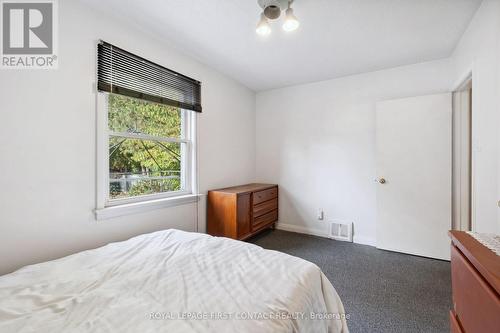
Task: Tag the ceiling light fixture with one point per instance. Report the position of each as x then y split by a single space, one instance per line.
271 10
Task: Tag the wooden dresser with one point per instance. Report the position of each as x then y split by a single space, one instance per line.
475 275
242 211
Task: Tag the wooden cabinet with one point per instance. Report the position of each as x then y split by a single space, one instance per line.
242 211
475 277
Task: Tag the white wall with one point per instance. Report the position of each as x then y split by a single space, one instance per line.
317 142
47 169
478 50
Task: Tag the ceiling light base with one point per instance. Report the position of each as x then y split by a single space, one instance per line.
282 4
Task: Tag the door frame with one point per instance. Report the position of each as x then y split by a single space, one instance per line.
463 189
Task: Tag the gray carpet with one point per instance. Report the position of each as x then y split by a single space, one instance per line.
382 291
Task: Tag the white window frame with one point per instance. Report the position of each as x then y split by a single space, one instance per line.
108 208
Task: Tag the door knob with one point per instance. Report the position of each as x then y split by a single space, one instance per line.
382 180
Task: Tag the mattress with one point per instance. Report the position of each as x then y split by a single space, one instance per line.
171 281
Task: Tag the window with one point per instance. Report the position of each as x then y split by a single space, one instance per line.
148 149
146 132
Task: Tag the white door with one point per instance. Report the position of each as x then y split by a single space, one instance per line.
413 139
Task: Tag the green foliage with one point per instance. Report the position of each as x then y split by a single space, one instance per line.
147 158
156 186
137 116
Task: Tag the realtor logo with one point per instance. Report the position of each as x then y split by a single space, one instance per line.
29 34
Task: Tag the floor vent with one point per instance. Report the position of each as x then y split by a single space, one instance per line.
341 231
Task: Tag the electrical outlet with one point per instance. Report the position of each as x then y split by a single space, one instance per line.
321 214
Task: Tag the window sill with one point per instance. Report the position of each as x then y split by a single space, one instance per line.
144 206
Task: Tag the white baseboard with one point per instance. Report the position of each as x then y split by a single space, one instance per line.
364 240
321 233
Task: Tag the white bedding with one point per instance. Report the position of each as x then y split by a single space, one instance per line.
171 281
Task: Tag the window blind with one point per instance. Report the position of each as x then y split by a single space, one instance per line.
124 73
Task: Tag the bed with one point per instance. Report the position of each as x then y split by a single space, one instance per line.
171 281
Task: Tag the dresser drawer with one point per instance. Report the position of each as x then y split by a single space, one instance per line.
264 220
476 304
265 195
265 207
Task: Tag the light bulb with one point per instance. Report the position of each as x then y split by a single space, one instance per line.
291 22
263 27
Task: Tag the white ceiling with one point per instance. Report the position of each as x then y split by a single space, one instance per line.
336 37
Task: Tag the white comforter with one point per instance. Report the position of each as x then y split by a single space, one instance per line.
171 281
